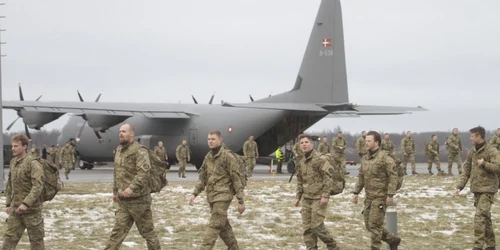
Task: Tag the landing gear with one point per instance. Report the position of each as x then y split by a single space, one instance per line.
85 165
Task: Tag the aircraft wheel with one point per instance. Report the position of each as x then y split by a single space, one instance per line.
82 164
90 166
290 167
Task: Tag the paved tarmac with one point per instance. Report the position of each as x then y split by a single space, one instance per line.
261 172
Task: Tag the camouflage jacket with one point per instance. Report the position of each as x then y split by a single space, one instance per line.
250 149
67 155
452 142
433 148
360 145
388 146
219 175
296 150
324 148
52 155
378 175
182 152
162 153
408 146
25 184
314 177
338 143
495 141
132 170
483 179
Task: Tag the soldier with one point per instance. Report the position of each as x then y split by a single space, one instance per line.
323 146
339 145
297 152
44 151
161 152
52 155
251 153
360 145
388 146
59 156
131 191
495 140
279 158
33 151
23 197
219 176
408 149
482 166
378 175
67 159
314 182
433 156
183 157
454 146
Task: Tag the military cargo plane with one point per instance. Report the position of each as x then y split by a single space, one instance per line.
320 91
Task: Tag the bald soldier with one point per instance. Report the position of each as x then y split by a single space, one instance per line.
388 146
323 147
131 191
495 140
408 149
161 152
339 145
454 146
219 176
183 157
251 153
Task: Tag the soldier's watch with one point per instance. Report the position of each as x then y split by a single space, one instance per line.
241 202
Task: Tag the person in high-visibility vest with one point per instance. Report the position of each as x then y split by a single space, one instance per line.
279 157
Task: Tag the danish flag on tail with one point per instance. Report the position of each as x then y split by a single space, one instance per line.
326 42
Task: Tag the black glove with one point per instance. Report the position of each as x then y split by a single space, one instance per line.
360 154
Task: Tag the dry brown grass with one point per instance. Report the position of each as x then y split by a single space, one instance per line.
430 217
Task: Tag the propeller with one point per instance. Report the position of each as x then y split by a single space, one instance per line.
251 98
209 102
85 118
21 97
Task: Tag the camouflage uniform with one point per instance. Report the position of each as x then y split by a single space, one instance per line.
324 148
452 142
337 144
433 156
59 156
162 153
183 156
68 160
484 184
297 152
24 186
495 141
132 170
251 152
219 176
408 148
33 151
360 146
314 181
52 155
379 178
389 147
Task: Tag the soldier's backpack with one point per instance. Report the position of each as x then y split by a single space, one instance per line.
157 173
52 183
337 175
242 168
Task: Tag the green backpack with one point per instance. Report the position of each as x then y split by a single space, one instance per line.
157 173
242 168
337 175
52 183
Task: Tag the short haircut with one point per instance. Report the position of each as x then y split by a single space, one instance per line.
22 139
478 131
376 136
132 129
433 135
302 136
408 131
215 132
386 133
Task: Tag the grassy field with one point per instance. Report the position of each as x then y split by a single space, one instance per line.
429 217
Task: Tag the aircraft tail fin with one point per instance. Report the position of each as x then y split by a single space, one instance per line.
322 75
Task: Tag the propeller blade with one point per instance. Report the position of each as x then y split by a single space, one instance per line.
78 135
194 99
98 97
211 99
21 97
12 124
80 96
251 98
27 132
98 135
38 98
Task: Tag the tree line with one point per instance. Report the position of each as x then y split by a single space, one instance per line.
38 137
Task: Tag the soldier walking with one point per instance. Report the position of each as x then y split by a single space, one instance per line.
388 146
408 148
251 153
433 156
360 145
68 159
219 176
339 145
482 166
495 140
454 146
378 175
183 157
323 147
161 152
131 191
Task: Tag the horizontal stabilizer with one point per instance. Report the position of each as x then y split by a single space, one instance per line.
357 110
309 107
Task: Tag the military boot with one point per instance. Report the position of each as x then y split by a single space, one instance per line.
476 248
395 243
449 172
440 173
414 172
490 248
431 173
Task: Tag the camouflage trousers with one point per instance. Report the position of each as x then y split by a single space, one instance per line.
68 166
218 225
313 217
250 165
374 215
182 167
132 210
484 235
433 159
342 162
16 223
410 157
452 158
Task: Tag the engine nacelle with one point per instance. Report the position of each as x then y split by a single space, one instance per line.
36 119
104 122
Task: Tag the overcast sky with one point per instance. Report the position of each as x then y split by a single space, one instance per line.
401 53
